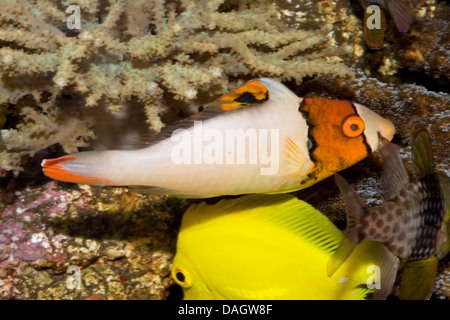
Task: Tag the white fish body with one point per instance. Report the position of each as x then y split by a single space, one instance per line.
259 148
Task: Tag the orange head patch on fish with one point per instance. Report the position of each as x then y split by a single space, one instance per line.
336 137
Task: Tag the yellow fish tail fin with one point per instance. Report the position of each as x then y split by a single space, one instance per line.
417 279
351 239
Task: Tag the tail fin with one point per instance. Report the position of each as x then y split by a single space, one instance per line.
422 154
354 210
77 168
417 279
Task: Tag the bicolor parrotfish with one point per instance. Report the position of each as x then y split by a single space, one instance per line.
260 138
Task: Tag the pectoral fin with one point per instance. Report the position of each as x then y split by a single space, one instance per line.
394 173
389 264
354 211
297 159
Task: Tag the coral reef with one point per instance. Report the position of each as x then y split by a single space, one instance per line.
442 285
138 65
121 243
159 56
425 48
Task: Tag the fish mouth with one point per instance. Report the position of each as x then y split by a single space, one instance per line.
375 125
387 131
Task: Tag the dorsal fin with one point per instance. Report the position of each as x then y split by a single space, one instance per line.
394 172
250 94
422 154
286 211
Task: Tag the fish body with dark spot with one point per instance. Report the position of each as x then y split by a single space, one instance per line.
413 223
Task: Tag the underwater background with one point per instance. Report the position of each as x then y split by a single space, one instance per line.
133 67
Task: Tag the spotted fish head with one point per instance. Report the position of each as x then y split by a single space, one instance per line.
341 133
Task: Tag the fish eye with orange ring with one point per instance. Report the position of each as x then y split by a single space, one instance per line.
182 277
353 126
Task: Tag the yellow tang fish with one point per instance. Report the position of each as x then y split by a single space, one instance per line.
272 247
414 222
260 138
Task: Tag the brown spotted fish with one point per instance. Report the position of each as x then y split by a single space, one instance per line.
413 224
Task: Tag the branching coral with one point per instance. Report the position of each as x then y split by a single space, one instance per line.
158 55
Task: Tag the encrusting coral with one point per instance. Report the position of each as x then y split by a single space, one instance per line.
158 56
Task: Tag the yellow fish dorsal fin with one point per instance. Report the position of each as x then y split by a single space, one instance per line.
284 211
